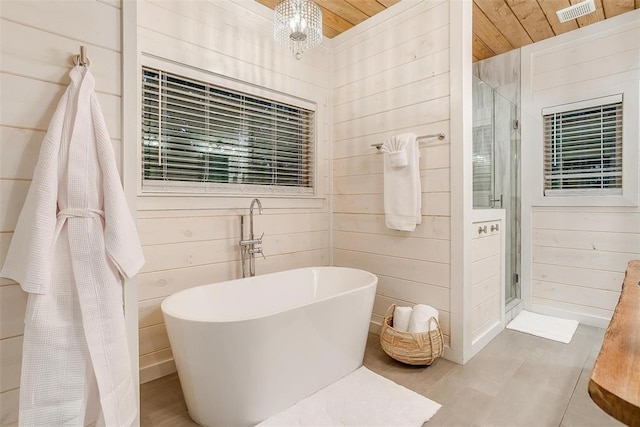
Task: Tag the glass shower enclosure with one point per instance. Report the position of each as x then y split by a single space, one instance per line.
496 170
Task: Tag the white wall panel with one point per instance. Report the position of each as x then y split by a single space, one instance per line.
9 407
433 204
586 277
214 28
156 365
50 61
430 66
392 77
616 221
410 94
432 227
149 313
430 38
94 23
13 303
590 240
589 297
589 259
574 257
10 363
434 180
487 273
20 149
28 103
356 47
152 338
433 273
12 196
406 247
487 276
585 50
408 290
431 111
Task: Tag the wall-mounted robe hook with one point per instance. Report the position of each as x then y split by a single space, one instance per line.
82 58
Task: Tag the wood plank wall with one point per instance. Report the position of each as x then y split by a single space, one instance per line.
393 78
185 245
578 255
486 275
36 45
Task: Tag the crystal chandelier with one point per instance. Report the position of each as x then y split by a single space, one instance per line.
297 25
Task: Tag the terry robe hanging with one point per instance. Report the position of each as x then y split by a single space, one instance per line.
74 242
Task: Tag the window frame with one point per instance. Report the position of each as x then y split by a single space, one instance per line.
534 124
593 103
236 197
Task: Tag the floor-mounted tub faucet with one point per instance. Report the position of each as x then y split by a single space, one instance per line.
253 202
249 248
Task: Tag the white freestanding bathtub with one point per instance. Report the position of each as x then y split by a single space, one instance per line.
247 349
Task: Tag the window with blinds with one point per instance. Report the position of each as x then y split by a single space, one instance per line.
583 148
198 137
483 159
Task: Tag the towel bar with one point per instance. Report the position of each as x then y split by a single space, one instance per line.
440 136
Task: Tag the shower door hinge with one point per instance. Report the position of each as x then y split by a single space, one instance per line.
516 277
516 124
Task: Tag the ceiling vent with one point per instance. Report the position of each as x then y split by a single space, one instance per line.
576 11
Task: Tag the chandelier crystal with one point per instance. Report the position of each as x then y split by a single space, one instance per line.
297 25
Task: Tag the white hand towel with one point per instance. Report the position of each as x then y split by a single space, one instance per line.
402 192
419 319
401 318
398 159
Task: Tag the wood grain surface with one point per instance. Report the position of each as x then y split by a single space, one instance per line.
615 380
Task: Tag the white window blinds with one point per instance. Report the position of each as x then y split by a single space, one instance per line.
583 148
198 137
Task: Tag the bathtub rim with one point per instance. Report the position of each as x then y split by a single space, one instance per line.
179 316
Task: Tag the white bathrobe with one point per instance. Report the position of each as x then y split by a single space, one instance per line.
74 242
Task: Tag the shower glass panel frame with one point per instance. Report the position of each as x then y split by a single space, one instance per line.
496 170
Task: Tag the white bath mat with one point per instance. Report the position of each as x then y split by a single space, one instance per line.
552 328
362 398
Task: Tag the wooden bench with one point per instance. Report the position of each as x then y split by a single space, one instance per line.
615 380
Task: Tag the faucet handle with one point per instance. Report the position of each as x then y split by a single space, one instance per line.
257 251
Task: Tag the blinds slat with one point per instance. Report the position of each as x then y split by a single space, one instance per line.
212 134
583 149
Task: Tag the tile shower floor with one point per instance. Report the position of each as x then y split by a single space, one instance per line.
516 380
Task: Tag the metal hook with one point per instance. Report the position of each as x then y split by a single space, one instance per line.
82 59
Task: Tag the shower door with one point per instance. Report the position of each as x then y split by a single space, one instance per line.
496 170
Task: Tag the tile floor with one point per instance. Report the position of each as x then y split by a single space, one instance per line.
516 380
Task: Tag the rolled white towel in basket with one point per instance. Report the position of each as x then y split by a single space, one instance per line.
401 318
419 319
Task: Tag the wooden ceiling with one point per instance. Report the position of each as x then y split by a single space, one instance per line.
502 25
498 25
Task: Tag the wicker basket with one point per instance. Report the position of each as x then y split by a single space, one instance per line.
422 348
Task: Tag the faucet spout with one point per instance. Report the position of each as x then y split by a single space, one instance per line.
253 202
